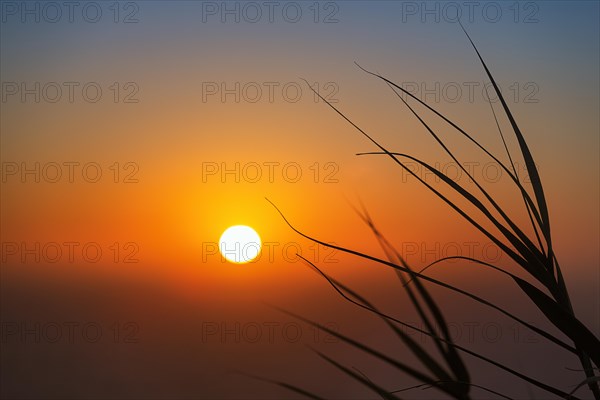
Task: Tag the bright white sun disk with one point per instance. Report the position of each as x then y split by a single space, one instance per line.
240 244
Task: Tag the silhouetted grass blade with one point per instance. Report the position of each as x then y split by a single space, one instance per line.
563 320
285 385
385 394
526 378
429 279
530 164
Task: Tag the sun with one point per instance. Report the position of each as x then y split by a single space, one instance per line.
240 244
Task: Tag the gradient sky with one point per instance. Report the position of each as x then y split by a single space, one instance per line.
167 121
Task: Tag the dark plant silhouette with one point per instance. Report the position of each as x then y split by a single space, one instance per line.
535 256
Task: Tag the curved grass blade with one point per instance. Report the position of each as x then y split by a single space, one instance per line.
587 381
432 280
531 167
284 385
363 347
424 386
384 394
511 253
526 378
562 294
527 263
452 358
512 164
428 361
555 313
530 247
440 260
464 133
563 320
393 256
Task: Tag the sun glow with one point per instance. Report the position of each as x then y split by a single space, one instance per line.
240 244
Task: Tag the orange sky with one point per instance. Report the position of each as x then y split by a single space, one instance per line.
208 119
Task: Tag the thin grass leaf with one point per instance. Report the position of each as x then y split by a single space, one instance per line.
465 134
384 394
583 357
432 365
512 164
555 313
363 347
429 279
526 244
392 256
413 346
425 386
284 385
513 255
564 320
558 310
587 381
410 388
395 363
440 260
452 358
526 378
337 285
525 258
526 153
